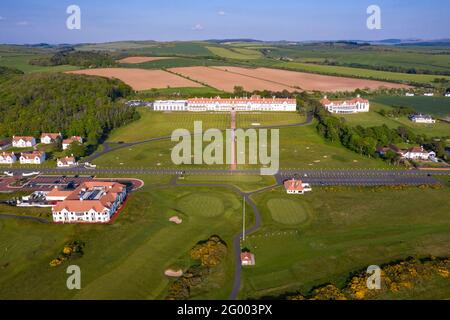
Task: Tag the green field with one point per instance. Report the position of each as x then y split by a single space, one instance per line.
20 61
359 72
175 63
257 119
235 53
124 260
437 106
347 230
373 118
245 183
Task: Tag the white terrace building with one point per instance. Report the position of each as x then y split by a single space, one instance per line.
420 118
7 158
91 202
355 105
255 103
34 157
23 142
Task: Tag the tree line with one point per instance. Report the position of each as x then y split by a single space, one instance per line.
86 59
75 105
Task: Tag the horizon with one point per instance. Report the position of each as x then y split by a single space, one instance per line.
26 22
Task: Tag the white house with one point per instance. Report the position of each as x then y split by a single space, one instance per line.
23 142
447 94
247 259
254 103
67 142
420 118
355 105
7 158
409 94
48 138
417 153
91 202
66 162
295 186
34 157
429 94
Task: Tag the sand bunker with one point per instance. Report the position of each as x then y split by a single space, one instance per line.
176 219
173 273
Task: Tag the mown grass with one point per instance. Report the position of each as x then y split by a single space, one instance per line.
235 53
348 230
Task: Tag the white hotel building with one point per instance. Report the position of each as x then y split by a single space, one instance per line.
355 105
255 103
91 202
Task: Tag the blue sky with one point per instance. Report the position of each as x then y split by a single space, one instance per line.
34 21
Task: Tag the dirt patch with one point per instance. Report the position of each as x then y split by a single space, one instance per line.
136 60
141 79
226 81
309 81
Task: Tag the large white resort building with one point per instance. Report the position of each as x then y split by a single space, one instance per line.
355 105
254 103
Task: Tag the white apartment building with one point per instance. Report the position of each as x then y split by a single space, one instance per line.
254 103
7 158
420 118
23 142
91 202
34 157
355 105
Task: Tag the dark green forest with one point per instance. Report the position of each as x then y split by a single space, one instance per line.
86 59
71 104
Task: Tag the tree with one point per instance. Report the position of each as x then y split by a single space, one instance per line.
76 149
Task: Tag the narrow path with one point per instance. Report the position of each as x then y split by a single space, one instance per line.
233 141
108 145
13 216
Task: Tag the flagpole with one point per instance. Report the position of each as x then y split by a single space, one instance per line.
243 220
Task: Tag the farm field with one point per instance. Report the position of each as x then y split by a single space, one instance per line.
227 81
323 240
359 72
309 82
136 60
140 79
145 245
437 106
176 62
235 53
21 61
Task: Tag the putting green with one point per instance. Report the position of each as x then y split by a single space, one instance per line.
201 204
287 211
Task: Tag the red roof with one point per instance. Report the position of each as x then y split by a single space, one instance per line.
52 136
24 138
32 155
246 256
293 185
232 101
326 101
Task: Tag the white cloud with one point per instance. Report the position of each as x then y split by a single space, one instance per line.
23 23
221 13
198 27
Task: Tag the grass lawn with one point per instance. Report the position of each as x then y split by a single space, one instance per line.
159 124
300 147
257 119
127 259
245 183
346 230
